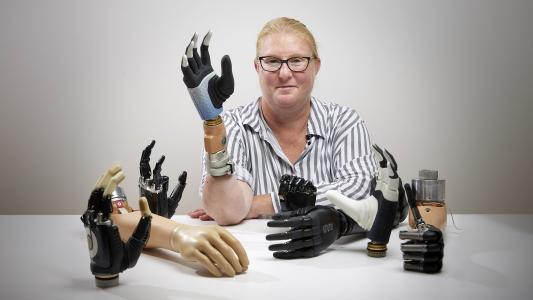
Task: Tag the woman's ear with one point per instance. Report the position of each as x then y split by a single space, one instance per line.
256 65
317 62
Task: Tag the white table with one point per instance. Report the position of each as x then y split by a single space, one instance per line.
489 257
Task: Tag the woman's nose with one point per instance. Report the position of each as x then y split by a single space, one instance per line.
284 71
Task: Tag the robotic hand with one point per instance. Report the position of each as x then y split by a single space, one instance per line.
424 250
207 90
155 188
295 192
379 213
314 228
109 255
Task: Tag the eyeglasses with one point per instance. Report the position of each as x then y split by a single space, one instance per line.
273 64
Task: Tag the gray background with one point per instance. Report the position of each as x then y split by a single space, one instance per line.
446 85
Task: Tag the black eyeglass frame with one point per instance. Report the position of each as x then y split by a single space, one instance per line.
285 61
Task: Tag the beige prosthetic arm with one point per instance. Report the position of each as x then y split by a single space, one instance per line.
212 246
218 161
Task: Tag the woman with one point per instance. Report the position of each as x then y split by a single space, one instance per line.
285 131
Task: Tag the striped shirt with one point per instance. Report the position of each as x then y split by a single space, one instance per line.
337 155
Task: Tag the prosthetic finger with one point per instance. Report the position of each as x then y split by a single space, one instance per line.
157 172
292 245
140 236
291 234
112 184
228 254
299 221
380 157
190 53
427 257
204 49
204 261
423 267
177 193
106 177
236 246
301 253
220 261
188 74
144 164
195 54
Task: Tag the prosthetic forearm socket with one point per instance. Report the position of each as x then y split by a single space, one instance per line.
218 160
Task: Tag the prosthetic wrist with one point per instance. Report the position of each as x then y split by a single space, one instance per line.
218 162
295 192
109 255
155 188
424 249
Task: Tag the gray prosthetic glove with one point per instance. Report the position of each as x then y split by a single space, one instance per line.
155 188
295 192
109 255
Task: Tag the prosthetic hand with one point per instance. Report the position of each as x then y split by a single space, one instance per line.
379 213
424 249
109 255
155 188
314 228
207 90
212 246
295 192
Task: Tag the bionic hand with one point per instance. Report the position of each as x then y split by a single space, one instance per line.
208 92
379 213
109 255
155 188
295 192
424 250
313 229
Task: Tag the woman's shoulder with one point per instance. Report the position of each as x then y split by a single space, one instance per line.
334 111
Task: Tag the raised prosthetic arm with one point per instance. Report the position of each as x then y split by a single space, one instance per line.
208 92
109 255
379 213
155 188
424 249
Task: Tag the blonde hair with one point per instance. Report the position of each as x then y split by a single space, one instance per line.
286 25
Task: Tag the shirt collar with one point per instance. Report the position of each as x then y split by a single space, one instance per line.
256 121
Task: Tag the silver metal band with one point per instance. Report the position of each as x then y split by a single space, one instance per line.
219 164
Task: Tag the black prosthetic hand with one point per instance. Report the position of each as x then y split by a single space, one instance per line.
313 229
295 192
155 186
109 255
424 249
208 91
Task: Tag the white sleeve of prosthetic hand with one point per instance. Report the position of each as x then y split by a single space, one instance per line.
361 211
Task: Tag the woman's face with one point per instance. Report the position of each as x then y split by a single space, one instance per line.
285 88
